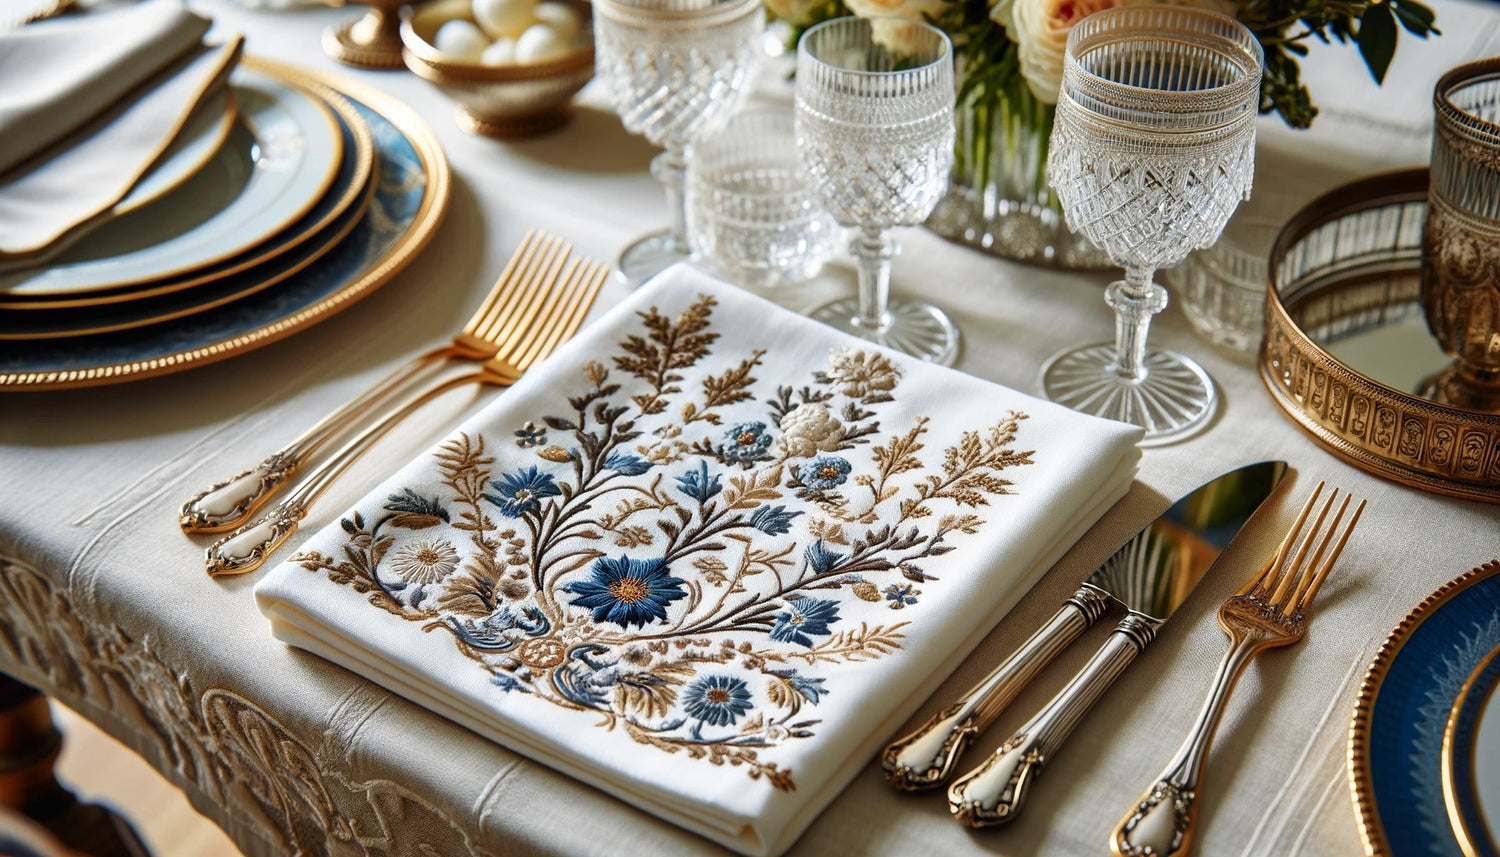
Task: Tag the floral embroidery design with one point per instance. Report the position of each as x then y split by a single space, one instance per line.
694 558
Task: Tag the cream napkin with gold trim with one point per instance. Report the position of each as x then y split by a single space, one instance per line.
707 558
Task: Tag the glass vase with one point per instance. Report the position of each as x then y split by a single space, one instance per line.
999 200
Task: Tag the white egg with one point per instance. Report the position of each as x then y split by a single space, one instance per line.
538 44
504 18
460 40
560 17
502 52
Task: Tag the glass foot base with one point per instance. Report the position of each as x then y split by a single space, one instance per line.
650 255
1173 401
917 328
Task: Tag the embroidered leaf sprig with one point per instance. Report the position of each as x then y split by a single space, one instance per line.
670 345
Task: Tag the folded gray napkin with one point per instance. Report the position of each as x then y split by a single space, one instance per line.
90 104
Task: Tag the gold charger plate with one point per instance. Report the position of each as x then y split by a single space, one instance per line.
409 201
1346 267
1396 736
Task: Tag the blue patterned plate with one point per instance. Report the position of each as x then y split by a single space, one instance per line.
1414 689
409 201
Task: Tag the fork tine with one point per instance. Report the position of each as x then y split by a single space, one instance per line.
573 301
1306 595
530 283
512 327
1298 563
516 272
1272 570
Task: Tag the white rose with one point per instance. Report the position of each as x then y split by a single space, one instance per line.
809 430
889 20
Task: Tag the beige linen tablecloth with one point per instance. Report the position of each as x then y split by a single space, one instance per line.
103 602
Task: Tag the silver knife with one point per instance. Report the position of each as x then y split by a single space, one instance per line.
1151 575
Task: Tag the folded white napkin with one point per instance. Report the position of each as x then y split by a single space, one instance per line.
707 558
90 104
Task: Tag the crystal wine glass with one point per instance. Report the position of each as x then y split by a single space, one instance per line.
875 131
1153 147
678 71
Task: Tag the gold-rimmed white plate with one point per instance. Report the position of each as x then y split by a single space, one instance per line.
1471 760
349 189
292 156
410 198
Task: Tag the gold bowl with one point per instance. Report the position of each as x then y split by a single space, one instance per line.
506 101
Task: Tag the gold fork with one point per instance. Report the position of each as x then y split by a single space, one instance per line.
1269 611
226 504
550 316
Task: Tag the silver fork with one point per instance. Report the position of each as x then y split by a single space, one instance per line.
225 505
551 316
1269 611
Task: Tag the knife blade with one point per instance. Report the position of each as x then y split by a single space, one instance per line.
1151 575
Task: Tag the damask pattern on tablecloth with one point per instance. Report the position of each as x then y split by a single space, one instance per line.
271 791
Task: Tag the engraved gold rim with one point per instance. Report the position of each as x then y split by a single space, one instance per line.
429 215
1467 838
358 193
1307 361
1361 781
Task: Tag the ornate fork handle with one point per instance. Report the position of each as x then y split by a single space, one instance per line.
925 758
231 501
1162 822
247 548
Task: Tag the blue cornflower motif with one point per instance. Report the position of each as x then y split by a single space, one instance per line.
700 484
824 472
745 442
627 591
804 616
821 558
530 435
812 689
626 464
773 520
900 596
520 492
718 700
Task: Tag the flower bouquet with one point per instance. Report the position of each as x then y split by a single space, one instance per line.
1010 58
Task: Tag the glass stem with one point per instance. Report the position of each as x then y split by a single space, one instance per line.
670 168
874 252
1135 300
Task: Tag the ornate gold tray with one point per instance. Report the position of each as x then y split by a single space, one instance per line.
1346 343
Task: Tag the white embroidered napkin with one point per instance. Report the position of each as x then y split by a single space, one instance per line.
707 558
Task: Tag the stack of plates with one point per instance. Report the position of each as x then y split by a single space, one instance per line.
281 204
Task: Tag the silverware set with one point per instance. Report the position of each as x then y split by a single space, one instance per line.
537 303
1151 576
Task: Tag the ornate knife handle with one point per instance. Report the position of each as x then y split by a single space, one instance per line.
926 757
995 792
228 503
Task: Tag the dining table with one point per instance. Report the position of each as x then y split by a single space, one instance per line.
106 608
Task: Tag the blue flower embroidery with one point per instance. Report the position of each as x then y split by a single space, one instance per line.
802 617
628 591
530 435
900 596
718 700
824 472
773 520
699 484
745 442
520 492
821 558
626 464
812 689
